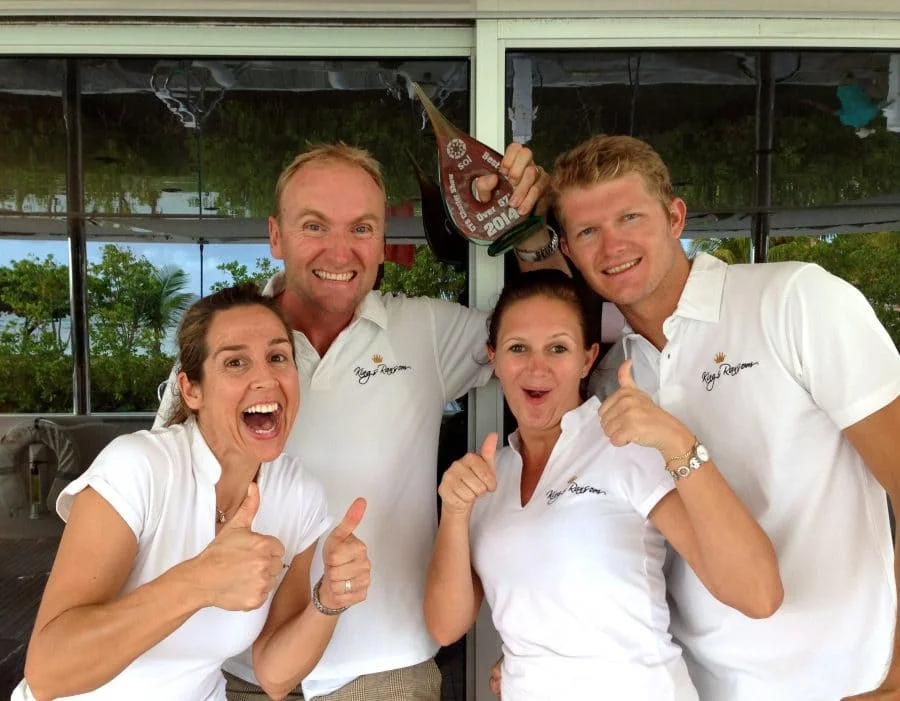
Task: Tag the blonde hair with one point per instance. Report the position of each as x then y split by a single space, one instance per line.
318 153
603 158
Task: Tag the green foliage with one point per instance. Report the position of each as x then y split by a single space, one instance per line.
37 381
127 383
427 278
36 293
132 306
248 142
163 301
265 269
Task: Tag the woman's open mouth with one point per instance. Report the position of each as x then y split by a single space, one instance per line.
262 419
536 394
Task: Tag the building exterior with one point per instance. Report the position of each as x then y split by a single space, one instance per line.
153 131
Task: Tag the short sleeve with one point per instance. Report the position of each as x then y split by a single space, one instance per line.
460 337
122 475
643 478
838 349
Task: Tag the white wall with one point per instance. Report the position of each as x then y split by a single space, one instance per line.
448 9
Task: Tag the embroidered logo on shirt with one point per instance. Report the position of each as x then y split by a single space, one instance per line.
709 378
365 374
573 487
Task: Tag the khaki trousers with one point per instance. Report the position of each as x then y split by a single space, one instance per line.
421 682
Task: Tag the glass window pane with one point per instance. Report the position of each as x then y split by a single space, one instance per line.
136 296
33 152
695 107
137 140
837 128
35 350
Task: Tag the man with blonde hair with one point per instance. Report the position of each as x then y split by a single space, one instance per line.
376 371
791 385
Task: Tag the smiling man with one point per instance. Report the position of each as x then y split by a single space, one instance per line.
783 371
376 371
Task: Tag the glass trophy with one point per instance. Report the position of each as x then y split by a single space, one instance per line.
462 159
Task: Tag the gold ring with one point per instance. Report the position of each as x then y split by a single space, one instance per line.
348 586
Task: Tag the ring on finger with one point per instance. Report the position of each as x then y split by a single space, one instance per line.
348 586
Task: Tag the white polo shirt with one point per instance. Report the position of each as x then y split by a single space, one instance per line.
767 364
162 484
574 578
369 421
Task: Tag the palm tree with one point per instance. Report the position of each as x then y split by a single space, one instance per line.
163 302
737 249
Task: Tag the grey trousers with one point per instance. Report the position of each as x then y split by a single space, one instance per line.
420 682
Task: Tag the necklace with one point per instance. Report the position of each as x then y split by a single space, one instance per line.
220 515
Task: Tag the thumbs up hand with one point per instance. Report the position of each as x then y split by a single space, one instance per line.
347 568
468 478
239 567
629 415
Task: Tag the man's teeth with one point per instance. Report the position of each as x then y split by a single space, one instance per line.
269 408
621 268
340 277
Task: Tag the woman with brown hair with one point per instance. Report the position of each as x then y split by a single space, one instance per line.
563 531
186 545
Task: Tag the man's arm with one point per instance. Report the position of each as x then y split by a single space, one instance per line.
530 183
877 439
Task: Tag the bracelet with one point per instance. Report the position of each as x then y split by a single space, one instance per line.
544 252
683 456
317 602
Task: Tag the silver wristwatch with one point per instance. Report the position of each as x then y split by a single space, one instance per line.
696 457
544 252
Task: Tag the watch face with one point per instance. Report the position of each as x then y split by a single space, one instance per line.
701 452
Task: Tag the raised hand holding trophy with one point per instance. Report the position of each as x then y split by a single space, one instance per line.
462 159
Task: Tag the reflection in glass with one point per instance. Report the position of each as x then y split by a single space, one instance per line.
695 107
33 153
208 137
837 119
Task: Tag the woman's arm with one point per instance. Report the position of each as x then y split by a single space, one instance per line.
703 519
84 635
79 615
453 592
296 632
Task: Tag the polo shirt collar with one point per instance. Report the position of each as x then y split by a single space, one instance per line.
372 307
203 461
701 298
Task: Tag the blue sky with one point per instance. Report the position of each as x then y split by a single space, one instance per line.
186 256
